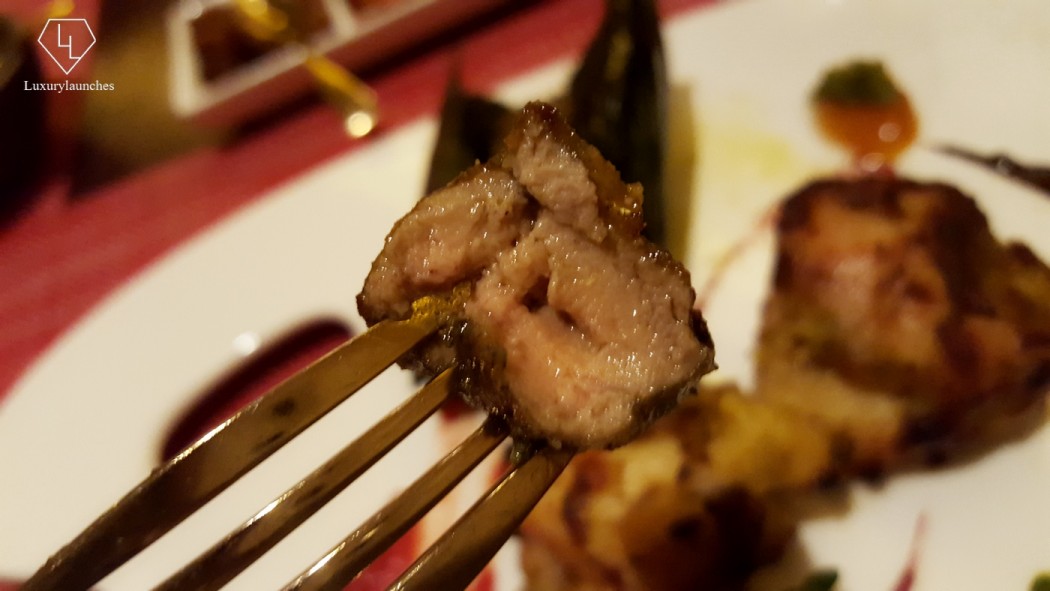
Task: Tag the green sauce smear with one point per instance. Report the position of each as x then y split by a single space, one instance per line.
860 83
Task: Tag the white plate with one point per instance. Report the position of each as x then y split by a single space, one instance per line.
82 425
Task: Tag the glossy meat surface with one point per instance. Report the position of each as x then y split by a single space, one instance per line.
576 328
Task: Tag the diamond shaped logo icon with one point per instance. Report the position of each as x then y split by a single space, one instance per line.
67 41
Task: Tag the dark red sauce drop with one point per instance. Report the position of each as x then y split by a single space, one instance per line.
260 373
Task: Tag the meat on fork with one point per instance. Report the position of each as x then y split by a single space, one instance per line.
574 326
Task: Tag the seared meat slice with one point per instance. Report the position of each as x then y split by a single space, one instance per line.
700 501
898 321
575 327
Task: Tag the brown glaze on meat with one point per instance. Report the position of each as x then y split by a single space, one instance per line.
899 321
576 328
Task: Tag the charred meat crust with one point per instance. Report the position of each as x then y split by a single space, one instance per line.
576 329
894 297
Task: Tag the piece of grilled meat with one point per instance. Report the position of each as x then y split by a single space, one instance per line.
897 320
575 328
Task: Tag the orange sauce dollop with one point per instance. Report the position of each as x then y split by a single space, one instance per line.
859 108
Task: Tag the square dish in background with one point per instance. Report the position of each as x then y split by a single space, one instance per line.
219 75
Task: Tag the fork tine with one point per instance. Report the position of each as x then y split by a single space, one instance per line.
223 561
463 551
348 558
177 489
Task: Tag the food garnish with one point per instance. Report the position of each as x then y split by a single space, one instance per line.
618 101
861 83
859 107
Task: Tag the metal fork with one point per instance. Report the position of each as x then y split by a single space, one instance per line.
191 479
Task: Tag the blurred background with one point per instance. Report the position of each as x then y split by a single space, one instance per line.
143 49
181 112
